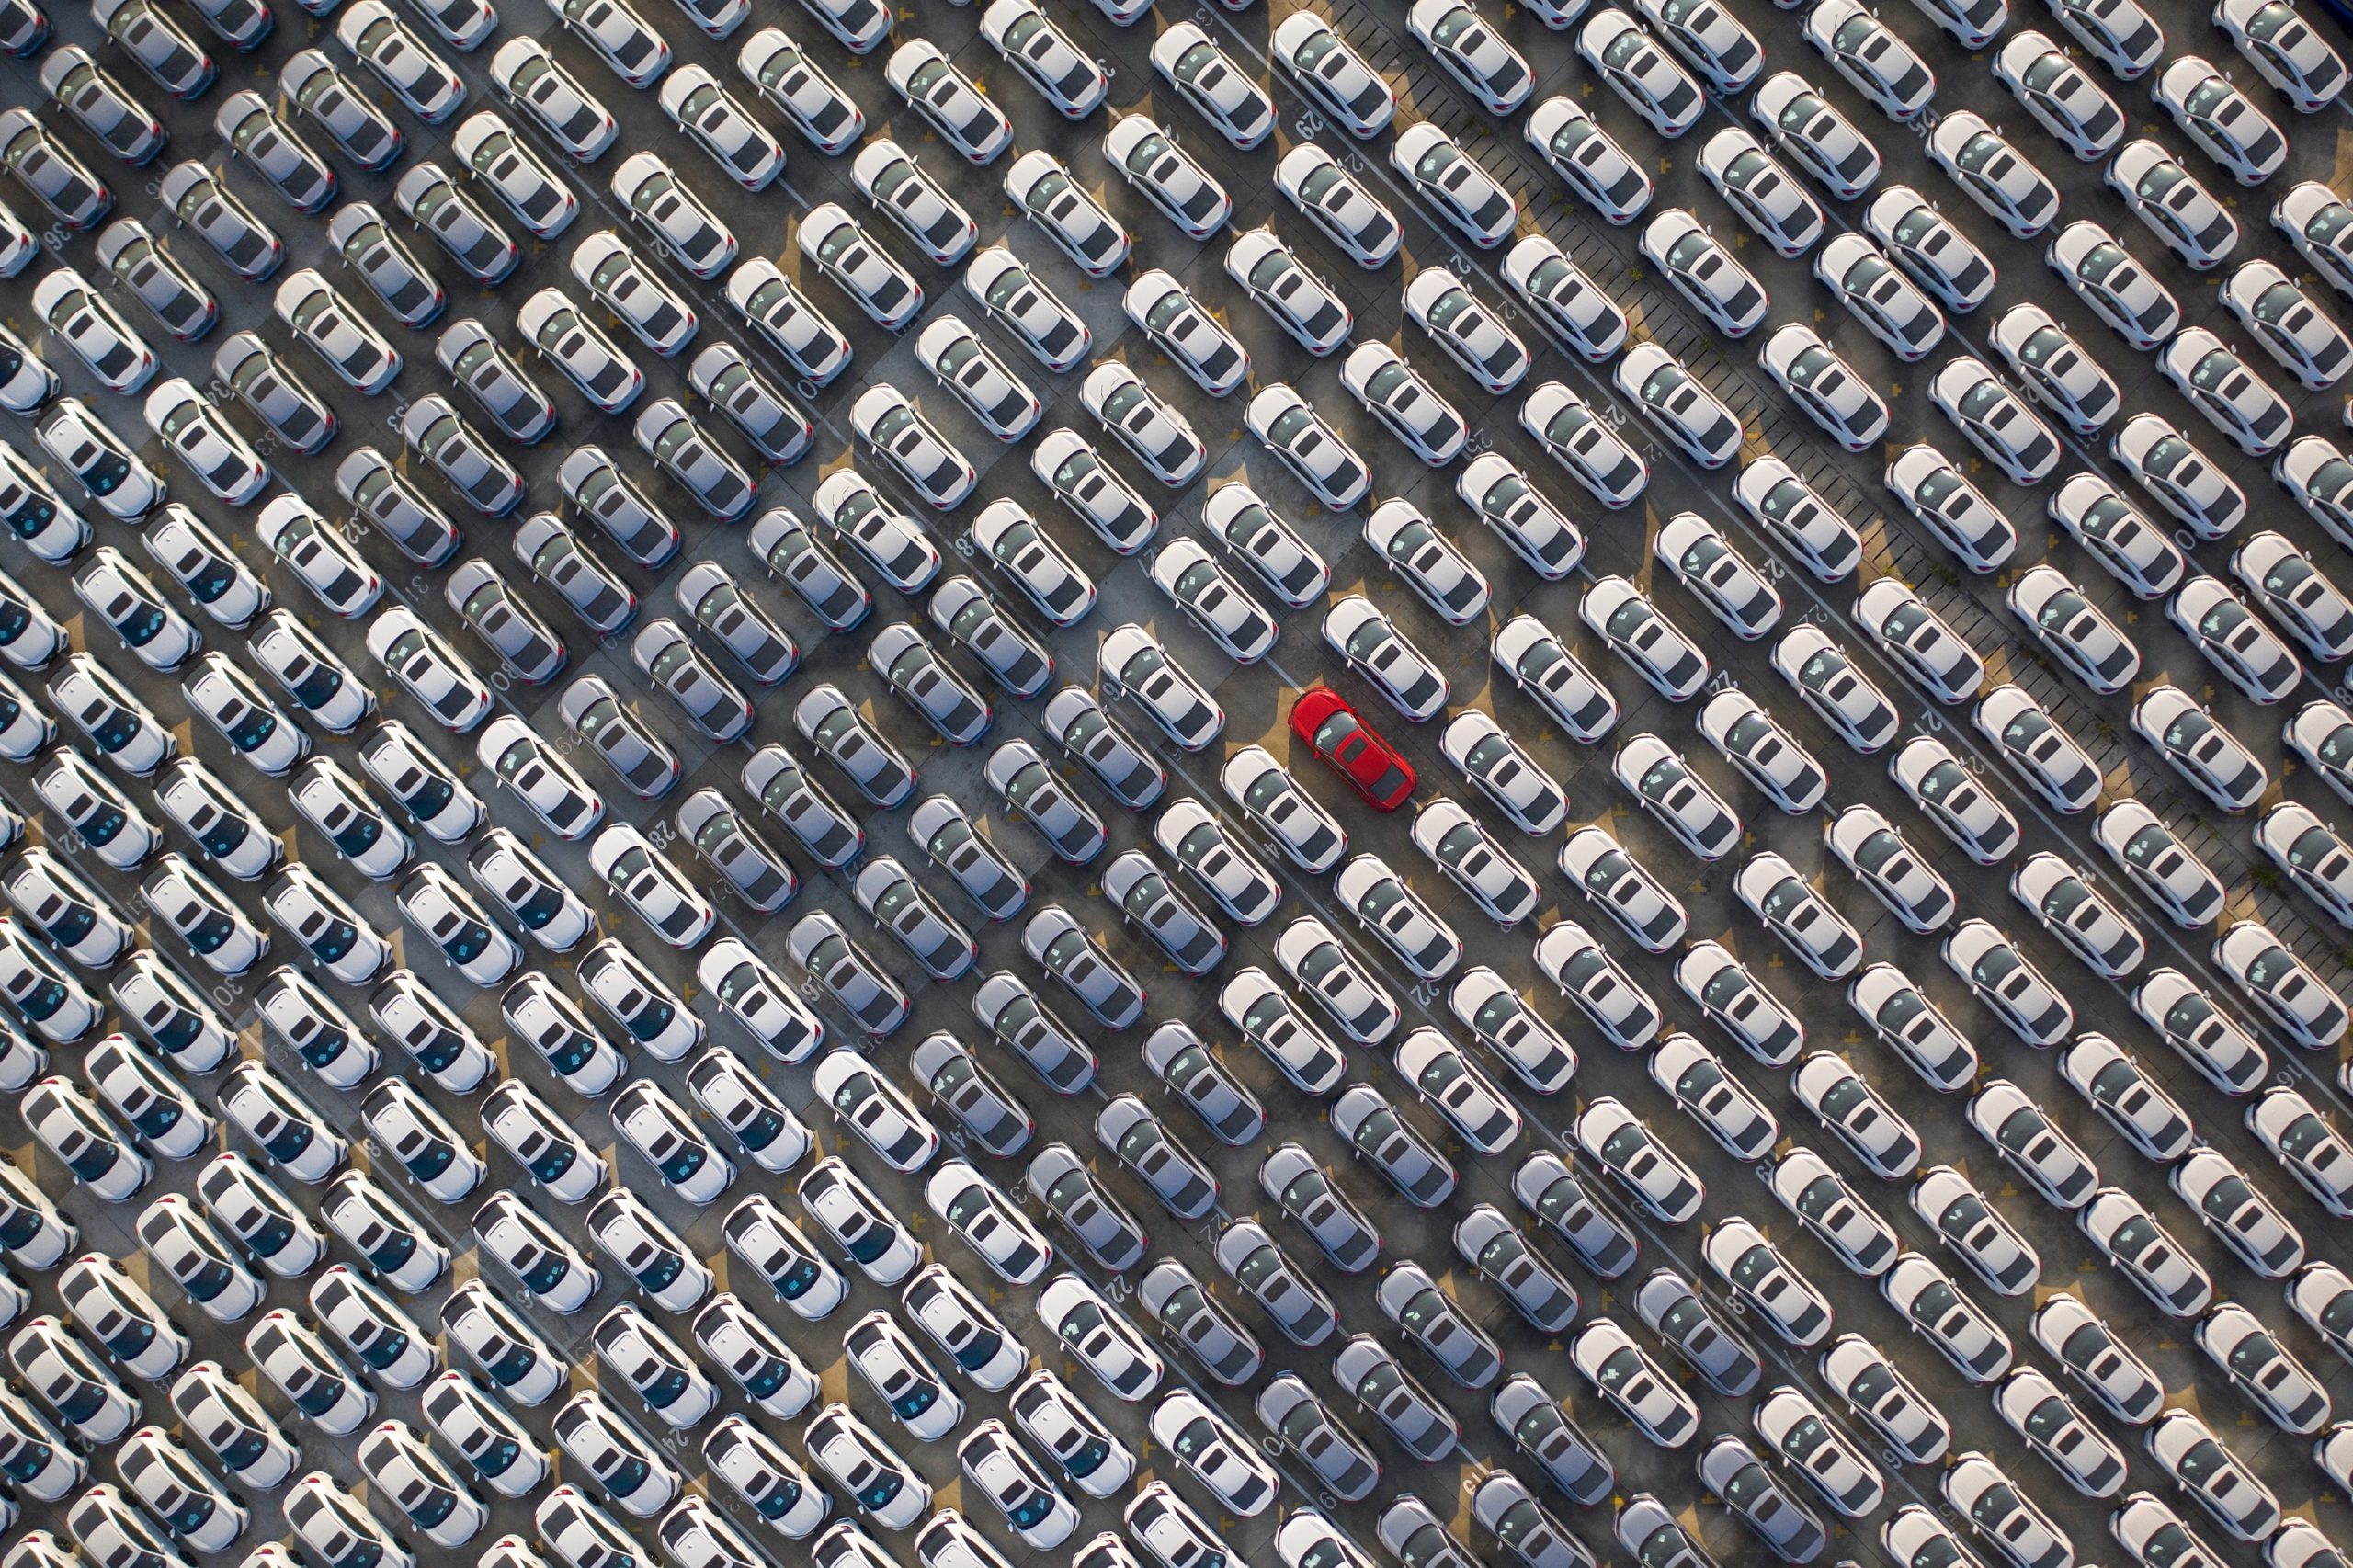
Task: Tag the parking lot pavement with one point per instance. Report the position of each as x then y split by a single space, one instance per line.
1257 702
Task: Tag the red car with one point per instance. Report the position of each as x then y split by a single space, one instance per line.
1325 721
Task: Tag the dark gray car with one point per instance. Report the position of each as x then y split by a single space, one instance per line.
1176 1055
1256 1262
1169 1292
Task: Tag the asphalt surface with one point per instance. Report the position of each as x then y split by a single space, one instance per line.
1257 702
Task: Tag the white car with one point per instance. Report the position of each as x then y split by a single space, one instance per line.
2220 118
1685 411
1704 271
1857 1114
1794 514
1585 156
919 71
2027 1142
1651 83
1581 441
1822 139
2280 984
1338 203
2247 652
1818 934
2223 1051
293 1357
2204 752
1015 1484
1634 628
2175 205
1146 424
861 1461
1996 421
2155 857
2000 975
2223 387
1663 784
1466 194
403 1470
1207 77
2070 908
1979 1234
642 1356
1824 385
2263 1371
1302 304
1185 193
1323 65
2130 1238
759 1471
1535 529
1937 254
2081 638
2106 276
1933 1308
1920 640
2183 480
492 1335
2116 1085
1377 648
2055 368
1048 59
1872 57
2194 1459
2125 543
2291 328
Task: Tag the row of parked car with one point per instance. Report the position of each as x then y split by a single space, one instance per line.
1134 664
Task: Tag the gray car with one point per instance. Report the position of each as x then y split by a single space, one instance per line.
1139 1140
1176 1055
1078 724
1538 1426
1409 1298
898 903
385 497
1145 896
524 643
400 282
558 557
338 106
272 148
948 835
1302 1423
195 195
1386 1142
729 382
1505 1508
471 236
666 432
946 1069
1059 1179
276 395
473 356
788 548
593 709
1291 1177
1020 777
827 720
1253 1259
1373 1376
673 666
1058 944
730 847
434 429
1729 1468
593 483
51 175
1548 1190
1489 1244
1672 1310
929 684
819 945
1012 1012
1169 1292
781 785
